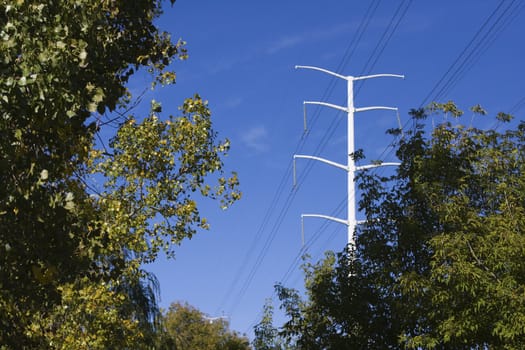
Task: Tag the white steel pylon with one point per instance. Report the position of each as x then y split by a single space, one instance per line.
351 221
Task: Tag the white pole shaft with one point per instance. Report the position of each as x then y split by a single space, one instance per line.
351 164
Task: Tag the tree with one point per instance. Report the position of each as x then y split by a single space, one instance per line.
185 327
439 263
473 284
342 308
267 337
70 251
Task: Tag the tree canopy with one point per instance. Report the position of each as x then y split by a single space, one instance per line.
185 327
71 250
439 263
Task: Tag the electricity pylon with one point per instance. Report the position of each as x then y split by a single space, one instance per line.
350 168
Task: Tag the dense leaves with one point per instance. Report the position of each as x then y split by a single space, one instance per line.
440 263
473 284
185 327
154 170
70 250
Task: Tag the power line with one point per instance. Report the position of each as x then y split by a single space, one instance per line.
348 54
477 51
459 72
379 49
381 45
305 248
297 259
262 253
337 211
491 38
391 29
464 59
519 105
512 110
466 63
262 227
443 77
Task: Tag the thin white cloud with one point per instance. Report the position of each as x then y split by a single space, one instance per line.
255 138
284 42
233 102
289 41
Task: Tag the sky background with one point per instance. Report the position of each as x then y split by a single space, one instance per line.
241 59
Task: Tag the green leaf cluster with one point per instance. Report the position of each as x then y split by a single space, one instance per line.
153 174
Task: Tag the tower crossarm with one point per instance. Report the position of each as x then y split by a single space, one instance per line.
364 109
327 217
331 105
329 162
371 166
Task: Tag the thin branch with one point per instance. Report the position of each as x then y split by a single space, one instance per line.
480 263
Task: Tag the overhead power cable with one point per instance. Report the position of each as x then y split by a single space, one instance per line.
286 176
396 19
394 23
458 70
297 259
474 49
459 67
389 31
381 45
518 106
329 132
482 46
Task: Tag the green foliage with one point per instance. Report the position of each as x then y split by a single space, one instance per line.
473 284
439 264
267 337
185 327
341 308
88 317
153 173
70 255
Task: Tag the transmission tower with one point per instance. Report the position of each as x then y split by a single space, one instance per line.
350 168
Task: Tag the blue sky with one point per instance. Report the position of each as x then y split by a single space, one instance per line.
241 59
